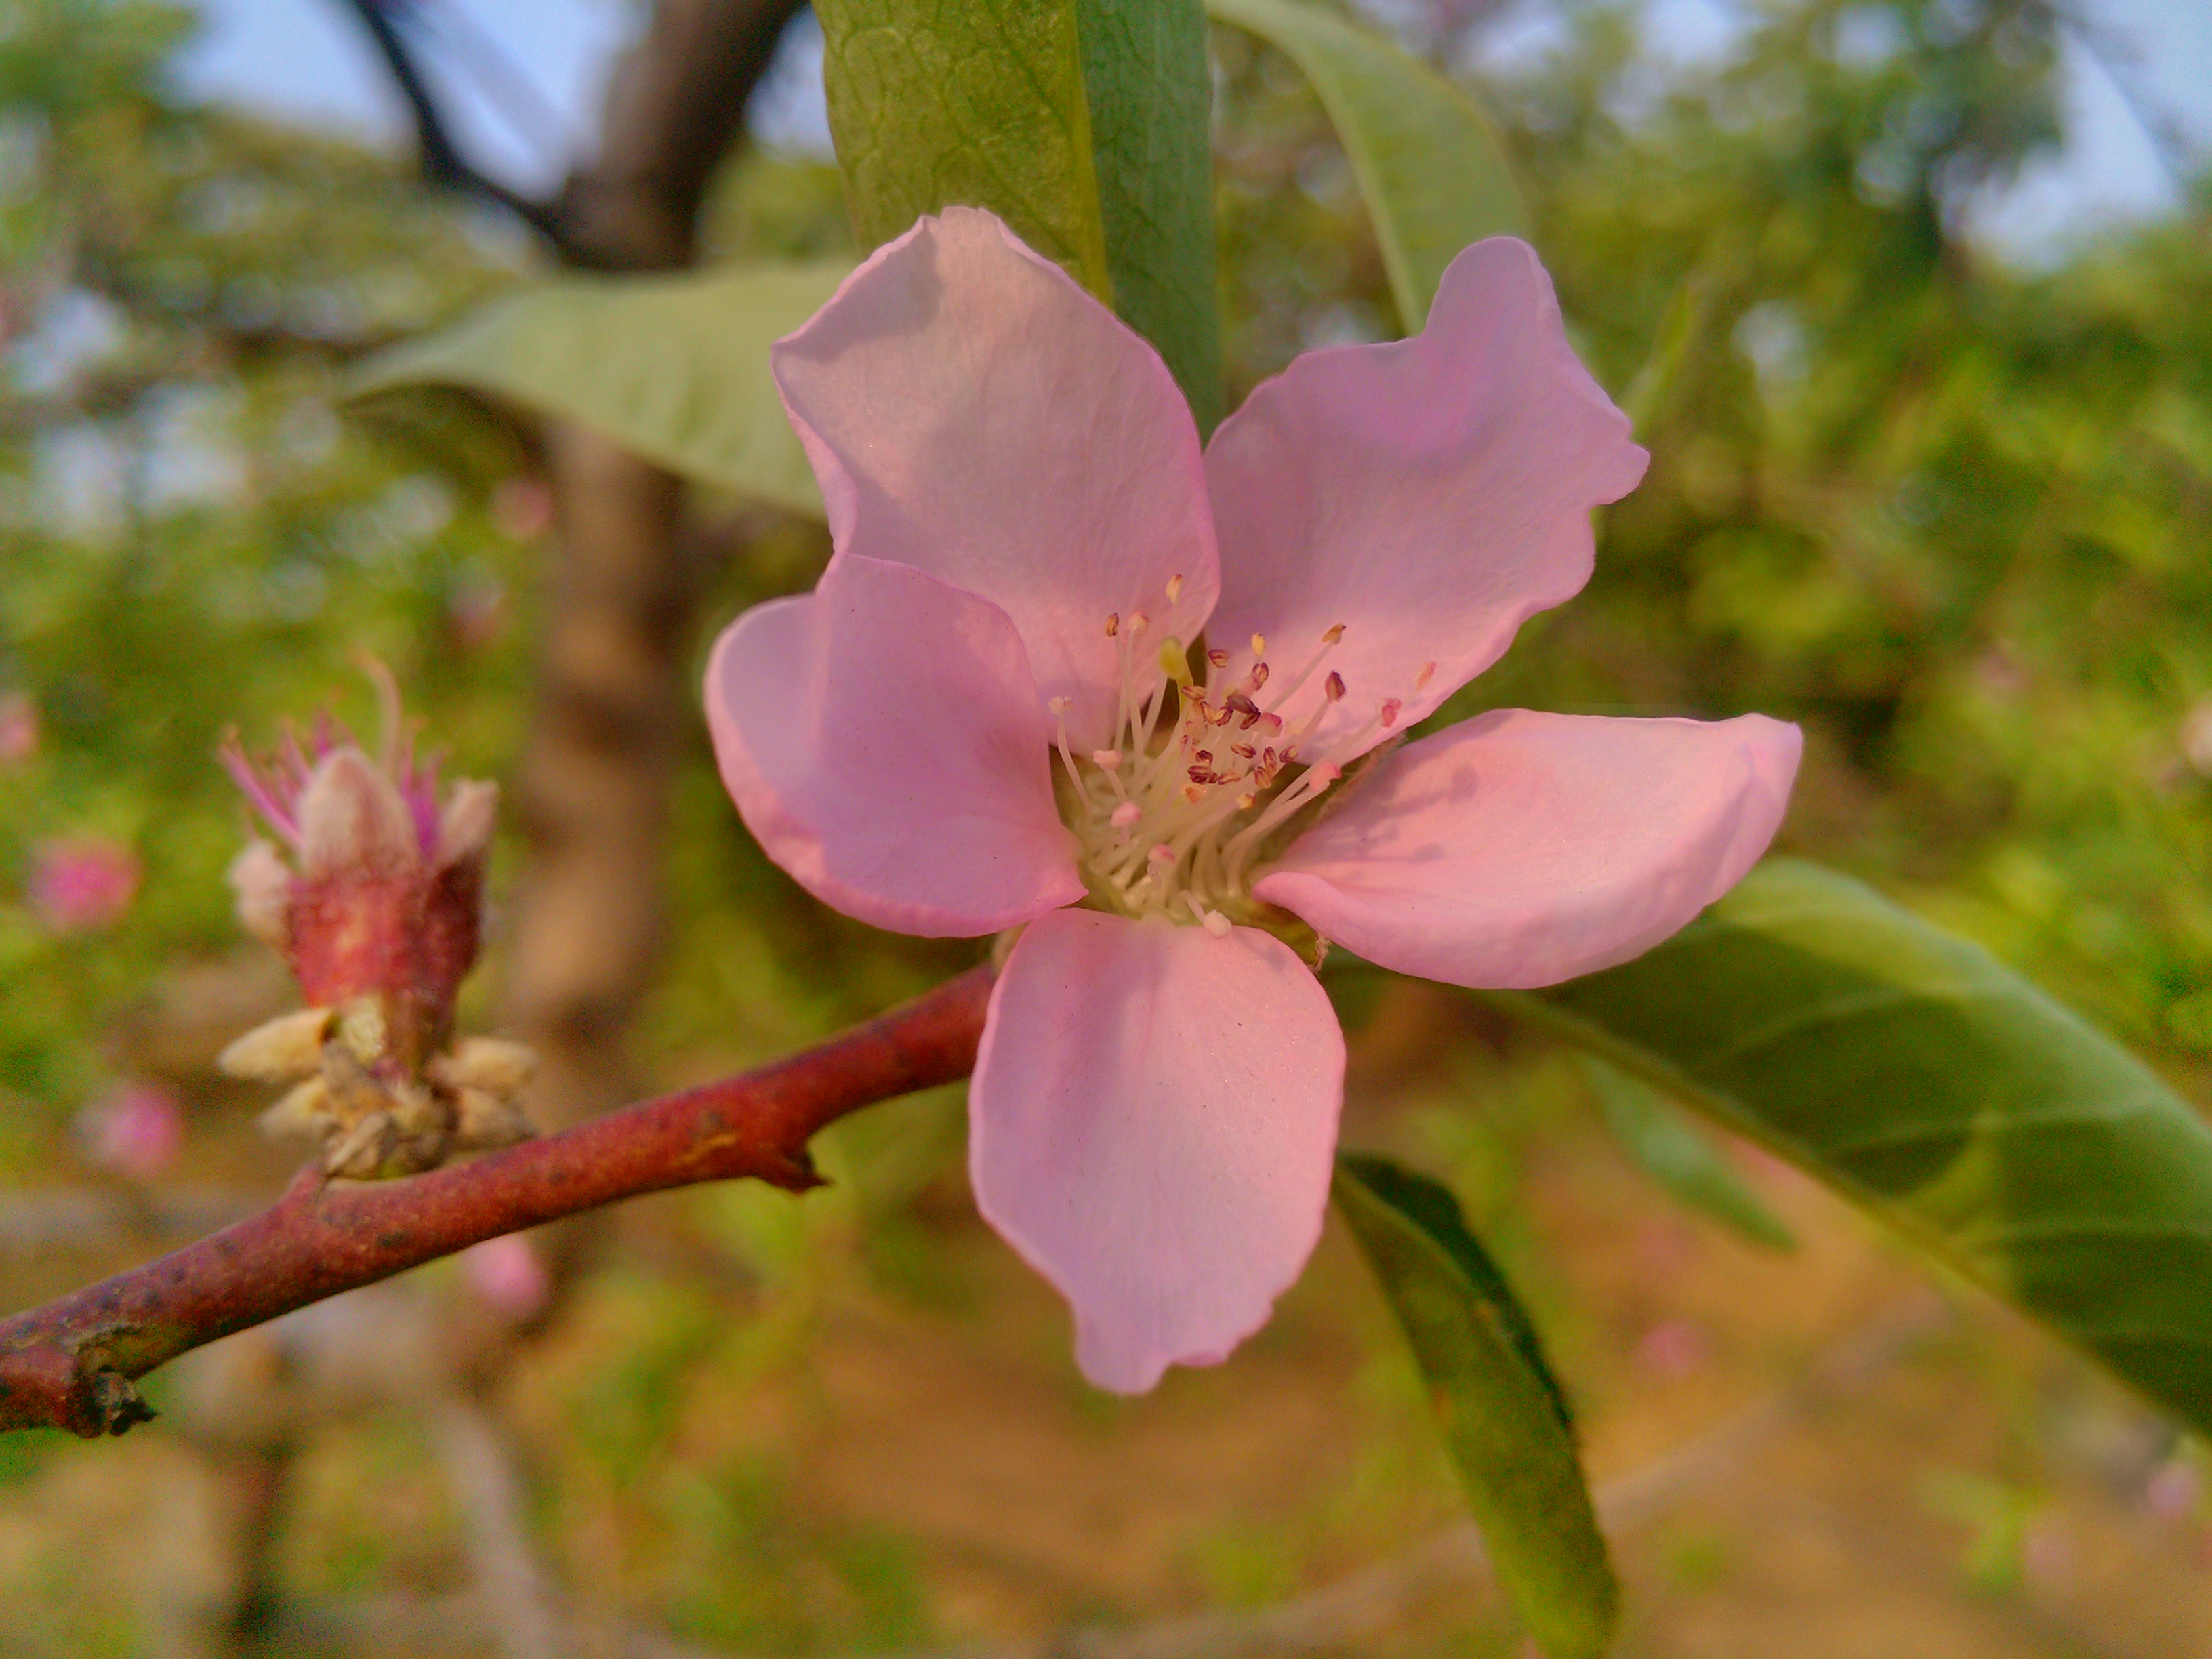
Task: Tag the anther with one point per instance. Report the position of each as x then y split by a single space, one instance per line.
1106 759
1332 687
1174 589
1060 705
1217 924
1334 633
1218 656
1241 751
1259 645
1247 801
1205 757
1193 794
1125 815
1428 670
1138 622
1389 712
1259 675
1113 623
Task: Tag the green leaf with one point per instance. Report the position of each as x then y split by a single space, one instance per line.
1151 96
1914 1072
938 102
1504 1418
1679 1157
674 367
1434 174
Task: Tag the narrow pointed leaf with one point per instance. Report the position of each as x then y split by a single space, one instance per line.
1150 95
1430 167
1914 1072
1680 1156
980 102
1505 1419
673 367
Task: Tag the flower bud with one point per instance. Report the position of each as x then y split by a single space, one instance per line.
378 911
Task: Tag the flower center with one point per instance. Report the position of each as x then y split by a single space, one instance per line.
1175 817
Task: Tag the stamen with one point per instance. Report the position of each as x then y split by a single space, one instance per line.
1310 783
1060 705
1332 687
1332 633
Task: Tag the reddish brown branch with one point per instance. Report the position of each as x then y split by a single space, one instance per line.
72 1363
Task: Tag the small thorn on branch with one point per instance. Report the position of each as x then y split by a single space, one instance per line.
117 1405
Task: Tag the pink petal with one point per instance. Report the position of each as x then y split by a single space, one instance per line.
971 411
1431 495
352 817
1520 849
1151 1125
883 740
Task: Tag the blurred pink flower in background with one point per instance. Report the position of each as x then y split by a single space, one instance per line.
521 508
136 1131
81 883
1673 1348
507 1275
19 728
2173 1491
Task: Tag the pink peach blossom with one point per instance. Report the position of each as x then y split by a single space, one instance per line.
989 714
82 882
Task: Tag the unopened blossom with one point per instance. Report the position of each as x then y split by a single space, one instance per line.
1069 674
81 883
375 899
